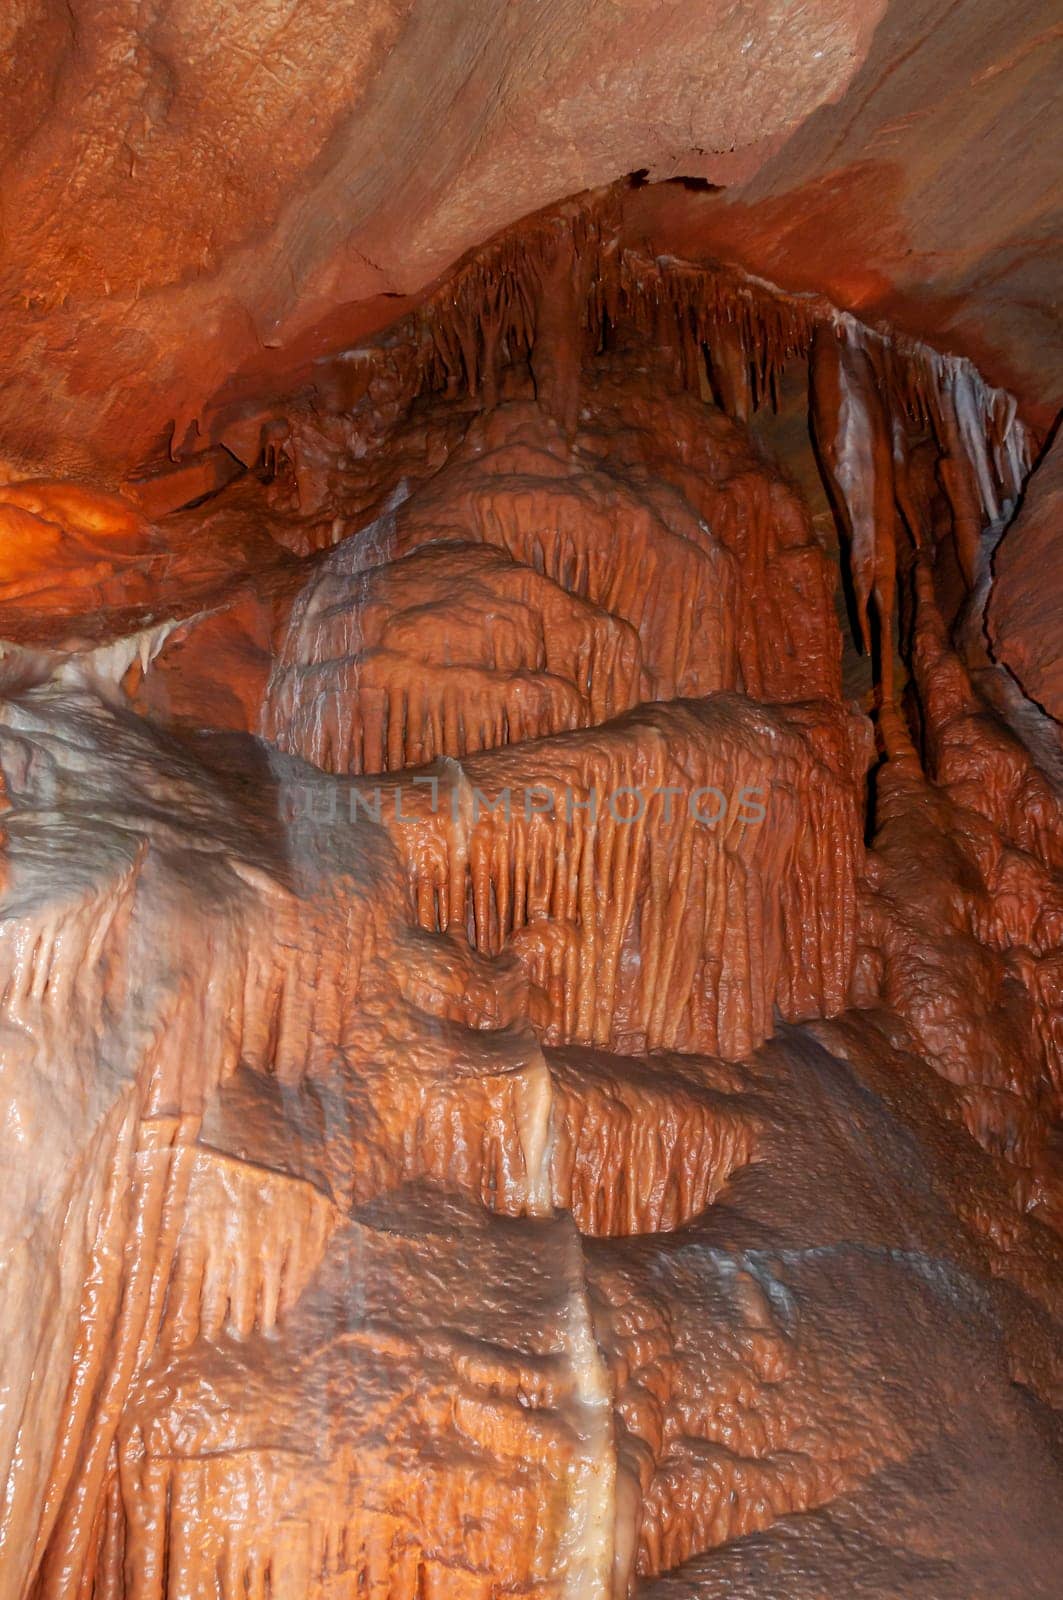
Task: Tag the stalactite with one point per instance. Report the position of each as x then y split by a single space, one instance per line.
855 442
360 684
654 1119
721 936
563 287
526 899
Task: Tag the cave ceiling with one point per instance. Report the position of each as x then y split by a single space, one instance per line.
192 192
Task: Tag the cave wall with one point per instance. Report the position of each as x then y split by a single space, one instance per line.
568 1069
432 1200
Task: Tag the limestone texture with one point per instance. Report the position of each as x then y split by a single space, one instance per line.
531 952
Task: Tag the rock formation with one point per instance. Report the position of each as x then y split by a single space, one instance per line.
531 932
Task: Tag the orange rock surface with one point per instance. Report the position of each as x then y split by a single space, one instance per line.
531 1069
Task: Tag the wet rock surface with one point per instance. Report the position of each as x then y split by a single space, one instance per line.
520 1083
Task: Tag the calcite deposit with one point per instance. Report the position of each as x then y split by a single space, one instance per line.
531 947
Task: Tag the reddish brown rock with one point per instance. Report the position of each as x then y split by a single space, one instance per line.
1025 613
182 195
515 1082
186 200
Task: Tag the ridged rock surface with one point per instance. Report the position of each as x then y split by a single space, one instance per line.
515 1082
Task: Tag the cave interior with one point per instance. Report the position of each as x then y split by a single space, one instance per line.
532 941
